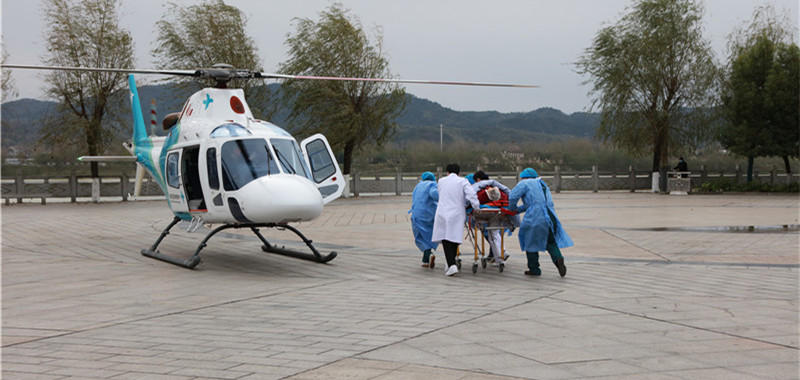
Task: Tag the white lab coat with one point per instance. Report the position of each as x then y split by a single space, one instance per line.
454 193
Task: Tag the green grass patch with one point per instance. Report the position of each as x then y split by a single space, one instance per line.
725 185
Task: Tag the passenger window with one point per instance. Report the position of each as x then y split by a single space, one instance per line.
211 163
173 177
321 163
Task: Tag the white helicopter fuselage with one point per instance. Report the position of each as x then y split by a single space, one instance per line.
220 165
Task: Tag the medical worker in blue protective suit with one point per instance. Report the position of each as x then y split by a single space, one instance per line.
540 229
424 200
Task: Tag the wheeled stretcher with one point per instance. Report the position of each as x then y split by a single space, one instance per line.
482 223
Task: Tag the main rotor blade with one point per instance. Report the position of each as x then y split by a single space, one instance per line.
227 73
97 69
410 81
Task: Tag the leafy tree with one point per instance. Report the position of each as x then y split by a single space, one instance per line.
199 36
654 78
762 91
85 33
351 114
8 89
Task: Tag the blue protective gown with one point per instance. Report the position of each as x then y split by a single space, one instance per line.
540 216
424 201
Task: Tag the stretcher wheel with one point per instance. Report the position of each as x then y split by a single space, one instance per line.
483 263
458 264
502 266
475 268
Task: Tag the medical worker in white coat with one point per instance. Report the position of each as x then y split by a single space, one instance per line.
455 193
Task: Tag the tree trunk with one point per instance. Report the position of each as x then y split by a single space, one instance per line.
349 147
656 157
92 144
662 145
787 165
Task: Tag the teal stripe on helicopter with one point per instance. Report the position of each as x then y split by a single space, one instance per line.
142 143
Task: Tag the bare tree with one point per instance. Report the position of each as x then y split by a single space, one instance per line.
85 33
8 88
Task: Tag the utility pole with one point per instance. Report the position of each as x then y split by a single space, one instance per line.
441 139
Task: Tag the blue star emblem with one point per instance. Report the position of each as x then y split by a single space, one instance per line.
208 100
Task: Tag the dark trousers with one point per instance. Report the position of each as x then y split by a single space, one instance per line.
450 252
552 249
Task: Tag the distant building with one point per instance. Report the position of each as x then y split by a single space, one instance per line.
515 157
11 155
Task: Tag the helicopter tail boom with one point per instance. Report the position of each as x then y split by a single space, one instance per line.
146 149
139 131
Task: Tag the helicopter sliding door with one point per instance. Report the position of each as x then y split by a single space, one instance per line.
325 170
184 184
174 186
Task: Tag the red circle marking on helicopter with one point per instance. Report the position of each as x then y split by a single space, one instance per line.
236 105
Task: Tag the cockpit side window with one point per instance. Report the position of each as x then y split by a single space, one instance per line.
288 154
211 164
244 161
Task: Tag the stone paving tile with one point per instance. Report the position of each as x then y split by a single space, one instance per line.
80 302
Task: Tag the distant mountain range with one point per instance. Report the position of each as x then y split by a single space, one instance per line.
23 119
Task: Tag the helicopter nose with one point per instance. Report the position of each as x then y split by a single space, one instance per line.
280 199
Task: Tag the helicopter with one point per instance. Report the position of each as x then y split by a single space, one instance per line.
218 164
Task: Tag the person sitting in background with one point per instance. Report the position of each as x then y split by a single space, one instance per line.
681 167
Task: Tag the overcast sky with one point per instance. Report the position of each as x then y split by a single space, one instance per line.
514 41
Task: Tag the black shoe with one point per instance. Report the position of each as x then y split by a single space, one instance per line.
562 269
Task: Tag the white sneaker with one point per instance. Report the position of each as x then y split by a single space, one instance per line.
451 271
497 262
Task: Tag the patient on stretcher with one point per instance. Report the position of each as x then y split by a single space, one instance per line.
492 194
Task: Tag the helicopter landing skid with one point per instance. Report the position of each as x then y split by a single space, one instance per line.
192 261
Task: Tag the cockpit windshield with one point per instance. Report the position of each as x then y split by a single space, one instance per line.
244 161
288 154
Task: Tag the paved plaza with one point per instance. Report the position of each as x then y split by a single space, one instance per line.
658 287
